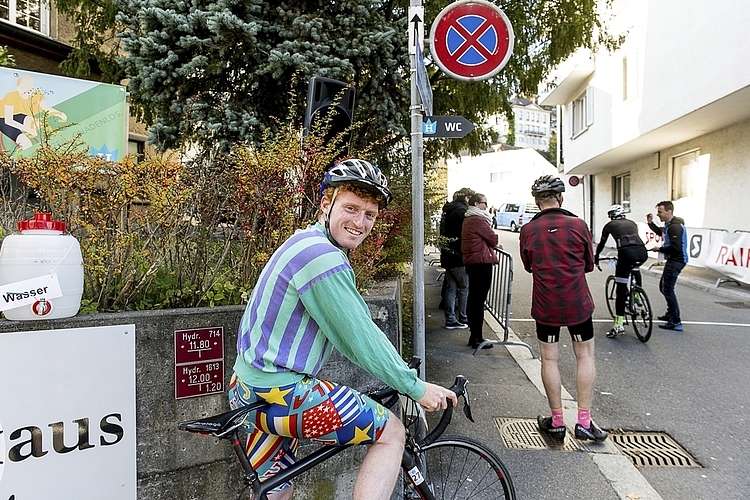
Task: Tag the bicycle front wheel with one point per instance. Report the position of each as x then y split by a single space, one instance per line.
610 288
459 468
643 321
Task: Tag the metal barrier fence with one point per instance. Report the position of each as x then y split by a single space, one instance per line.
499 297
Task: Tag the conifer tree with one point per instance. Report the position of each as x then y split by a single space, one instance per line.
216 72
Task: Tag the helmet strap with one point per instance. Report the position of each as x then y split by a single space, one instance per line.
327 220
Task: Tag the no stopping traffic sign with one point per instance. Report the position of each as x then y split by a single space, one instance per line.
471 40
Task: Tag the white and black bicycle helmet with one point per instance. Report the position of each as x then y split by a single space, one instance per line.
547 183
360 173
616 212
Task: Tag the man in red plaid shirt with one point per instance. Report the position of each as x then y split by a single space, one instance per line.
556 247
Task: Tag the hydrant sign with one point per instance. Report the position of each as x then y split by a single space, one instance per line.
28 292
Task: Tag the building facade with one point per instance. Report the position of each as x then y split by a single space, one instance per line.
665 117
534 125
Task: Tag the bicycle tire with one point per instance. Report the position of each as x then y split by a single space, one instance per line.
643 321
610 290
459 468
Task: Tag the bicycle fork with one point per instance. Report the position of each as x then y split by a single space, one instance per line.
416 470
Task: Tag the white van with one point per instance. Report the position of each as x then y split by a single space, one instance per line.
515 215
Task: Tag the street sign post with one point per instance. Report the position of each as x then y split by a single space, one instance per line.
471 40
446 126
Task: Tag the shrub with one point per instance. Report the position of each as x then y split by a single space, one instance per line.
158 233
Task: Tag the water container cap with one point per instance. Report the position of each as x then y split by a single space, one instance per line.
41 220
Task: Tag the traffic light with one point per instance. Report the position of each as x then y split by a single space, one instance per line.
330 103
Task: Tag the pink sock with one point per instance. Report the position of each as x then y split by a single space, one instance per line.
584 417
557 418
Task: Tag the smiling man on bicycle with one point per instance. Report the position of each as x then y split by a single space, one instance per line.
304 305
630 252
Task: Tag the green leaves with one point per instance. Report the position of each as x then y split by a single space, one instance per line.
218 73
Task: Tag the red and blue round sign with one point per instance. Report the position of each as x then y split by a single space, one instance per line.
471 40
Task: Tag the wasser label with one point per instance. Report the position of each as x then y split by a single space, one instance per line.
27 292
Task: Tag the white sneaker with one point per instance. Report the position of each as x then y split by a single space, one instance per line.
615 331
455 326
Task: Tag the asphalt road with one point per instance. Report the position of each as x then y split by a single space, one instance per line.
691 385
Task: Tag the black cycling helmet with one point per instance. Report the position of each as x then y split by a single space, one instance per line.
361 173
616 212
547 183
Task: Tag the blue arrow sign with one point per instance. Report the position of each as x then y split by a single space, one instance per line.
423 83
446 126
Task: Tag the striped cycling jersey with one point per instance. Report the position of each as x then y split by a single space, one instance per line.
304 305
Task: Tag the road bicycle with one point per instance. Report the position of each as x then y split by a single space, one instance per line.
434 466
637 304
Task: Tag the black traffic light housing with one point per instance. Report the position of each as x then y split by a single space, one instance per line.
331 100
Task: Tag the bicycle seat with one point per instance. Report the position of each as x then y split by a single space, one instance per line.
222 424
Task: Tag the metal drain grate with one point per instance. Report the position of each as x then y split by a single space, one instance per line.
524 434
735 305
653 449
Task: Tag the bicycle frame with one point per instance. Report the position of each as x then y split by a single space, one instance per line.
227 426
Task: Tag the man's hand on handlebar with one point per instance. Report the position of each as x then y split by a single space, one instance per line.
435 396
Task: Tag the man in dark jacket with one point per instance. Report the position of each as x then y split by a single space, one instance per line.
675 250
456 282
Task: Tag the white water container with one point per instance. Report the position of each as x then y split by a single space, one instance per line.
42 249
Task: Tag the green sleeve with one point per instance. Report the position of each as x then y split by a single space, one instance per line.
344 318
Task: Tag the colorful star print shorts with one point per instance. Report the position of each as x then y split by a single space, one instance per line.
313 409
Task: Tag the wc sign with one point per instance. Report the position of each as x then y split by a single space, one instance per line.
446 126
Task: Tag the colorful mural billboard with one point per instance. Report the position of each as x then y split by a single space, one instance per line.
96 113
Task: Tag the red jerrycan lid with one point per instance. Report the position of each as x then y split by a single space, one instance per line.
41 220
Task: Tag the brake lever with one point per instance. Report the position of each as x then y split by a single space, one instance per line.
462 382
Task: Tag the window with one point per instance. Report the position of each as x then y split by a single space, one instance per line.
137 148
582 112
32 14
685 175
625 78
621 191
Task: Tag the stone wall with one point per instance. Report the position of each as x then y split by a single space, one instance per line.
177 465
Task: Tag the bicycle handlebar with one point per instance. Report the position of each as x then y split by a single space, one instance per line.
388 397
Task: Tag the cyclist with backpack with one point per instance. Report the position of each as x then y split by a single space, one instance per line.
304 305
630 252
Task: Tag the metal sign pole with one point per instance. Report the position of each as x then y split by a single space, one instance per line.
417 187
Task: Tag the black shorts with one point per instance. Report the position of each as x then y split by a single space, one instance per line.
627 258
578 333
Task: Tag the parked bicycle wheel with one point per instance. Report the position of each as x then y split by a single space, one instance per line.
610 288
643 320
459 468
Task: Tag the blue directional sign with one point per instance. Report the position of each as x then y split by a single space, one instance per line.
446 126
423 83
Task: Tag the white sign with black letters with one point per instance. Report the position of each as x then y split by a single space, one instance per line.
67 414
26 292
